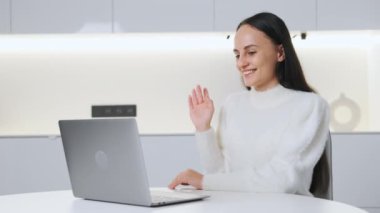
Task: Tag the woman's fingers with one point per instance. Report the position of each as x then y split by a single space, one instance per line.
199 94
187 177
177 181
194 97
173 184
206 94
190 102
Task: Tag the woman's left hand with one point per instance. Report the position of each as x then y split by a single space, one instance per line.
188 177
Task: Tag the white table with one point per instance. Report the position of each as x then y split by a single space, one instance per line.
64 202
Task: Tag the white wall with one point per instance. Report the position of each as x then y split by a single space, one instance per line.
374 86
45 78
337 65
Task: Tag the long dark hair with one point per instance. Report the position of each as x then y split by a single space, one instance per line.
288 72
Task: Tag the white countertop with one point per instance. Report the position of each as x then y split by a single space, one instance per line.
64 202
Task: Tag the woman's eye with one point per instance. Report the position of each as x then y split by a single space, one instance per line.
237 56
251 53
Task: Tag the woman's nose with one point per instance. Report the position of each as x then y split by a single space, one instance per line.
242 62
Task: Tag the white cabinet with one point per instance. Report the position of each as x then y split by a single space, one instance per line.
30 164
33 164
372 210
61 16
356 173
375 13
297 14
106 16
5 16
163 15
348 14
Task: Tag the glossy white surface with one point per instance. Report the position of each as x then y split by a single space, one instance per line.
163 16
228 14
356 177
347 14
38 164
64 202
5 16
57 16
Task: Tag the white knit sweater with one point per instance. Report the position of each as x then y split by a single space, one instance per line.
266 142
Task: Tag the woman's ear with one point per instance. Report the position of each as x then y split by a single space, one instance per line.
280 53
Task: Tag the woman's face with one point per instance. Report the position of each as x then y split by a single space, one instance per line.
256 57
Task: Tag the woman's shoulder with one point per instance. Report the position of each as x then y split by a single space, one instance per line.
310 101
309 97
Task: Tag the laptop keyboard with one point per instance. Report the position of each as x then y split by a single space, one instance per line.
164 197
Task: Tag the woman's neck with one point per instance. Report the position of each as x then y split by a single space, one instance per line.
266 86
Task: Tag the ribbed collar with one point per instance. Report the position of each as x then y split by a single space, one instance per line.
271 97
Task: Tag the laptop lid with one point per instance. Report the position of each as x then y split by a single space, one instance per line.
105 160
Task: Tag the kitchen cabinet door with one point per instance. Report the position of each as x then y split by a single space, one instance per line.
297 14
5 16
61 16
356 176
375 8
348 14
372 210
37 163
163 16
32 164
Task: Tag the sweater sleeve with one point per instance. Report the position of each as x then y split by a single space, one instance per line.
210 148
297 153
210 151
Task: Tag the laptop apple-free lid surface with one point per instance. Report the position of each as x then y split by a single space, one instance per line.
105 161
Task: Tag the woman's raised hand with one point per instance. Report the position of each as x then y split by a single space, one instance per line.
201 108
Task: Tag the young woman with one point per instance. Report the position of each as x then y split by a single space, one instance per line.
269 138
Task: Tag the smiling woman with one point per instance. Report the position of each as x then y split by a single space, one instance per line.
256 57
270 138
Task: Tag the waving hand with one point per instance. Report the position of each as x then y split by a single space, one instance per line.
201 108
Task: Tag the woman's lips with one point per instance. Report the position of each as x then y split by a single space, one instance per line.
248 72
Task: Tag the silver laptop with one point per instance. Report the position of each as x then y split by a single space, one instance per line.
105 163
